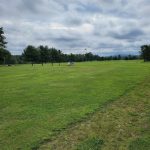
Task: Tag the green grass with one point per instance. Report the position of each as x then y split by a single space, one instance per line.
140 144
123 124
37 101
91 144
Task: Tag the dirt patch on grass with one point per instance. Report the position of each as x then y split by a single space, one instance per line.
119 125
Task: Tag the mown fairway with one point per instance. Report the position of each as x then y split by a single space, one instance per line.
123 124
37 101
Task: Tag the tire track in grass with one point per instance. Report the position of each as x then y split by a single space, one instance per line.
120 125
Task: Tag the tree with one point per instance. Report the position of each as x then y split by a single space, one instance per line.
60 56
2 39
31 54
54 55
145 52
5 55
89 56
44 54
72 57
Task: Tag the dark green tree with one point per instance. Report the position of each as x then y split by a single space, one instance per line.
31 54
72 57
145 52
89 56
54 55
44 54
2 39
5 55
59 57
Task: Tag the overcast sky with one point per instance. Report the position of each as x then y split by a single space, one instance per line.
105 27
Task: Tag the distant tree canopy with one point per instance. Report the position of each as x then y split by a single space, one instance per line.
145 52
31 54
2 39
44 54
5 55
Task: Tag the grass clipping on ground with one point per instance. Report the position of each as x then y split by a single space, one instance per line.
121 125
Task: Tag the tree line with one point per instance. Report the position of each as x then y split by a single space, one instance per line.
44 54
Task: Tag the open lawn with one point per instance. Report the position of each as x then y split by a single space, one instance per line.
37 102
123 124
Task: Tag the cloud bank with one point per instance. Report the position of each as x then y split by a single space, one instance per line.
104 27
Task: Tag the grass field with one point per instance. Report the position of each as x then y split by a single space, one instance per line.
37 102
123 124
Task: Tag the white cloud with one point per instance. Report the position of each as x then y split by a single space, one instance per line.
101 26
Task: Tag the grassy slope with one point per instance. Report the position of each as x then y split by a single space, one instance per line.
121 125
35 101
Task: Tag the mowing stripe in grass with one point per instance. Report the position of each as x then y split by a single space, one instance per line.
36 102
122 125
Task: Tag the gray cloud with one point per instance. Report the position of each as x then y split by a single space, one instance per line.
133 34
104 27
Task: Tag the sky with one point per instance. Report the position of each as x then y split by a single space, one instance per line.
103 27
